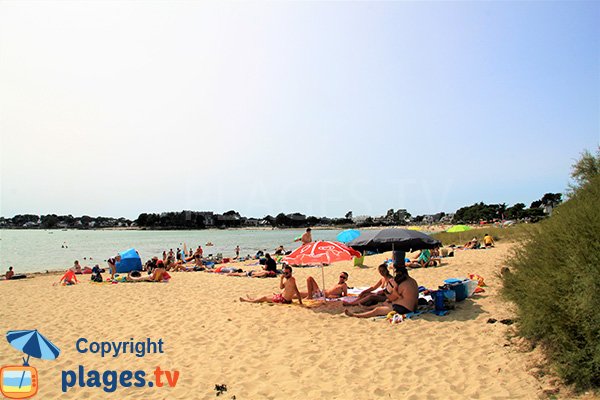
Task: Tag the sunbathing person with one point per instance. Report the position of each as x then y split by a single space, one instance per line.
403 300
367 297
289 290
269 270
157 275
472 244
339 290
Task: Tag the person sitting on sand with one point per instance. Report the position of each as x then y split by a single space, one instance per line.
488 241
279 251
289 291
112 264
10 273
422 260
403 300
77 268
367 297
339 290
68 278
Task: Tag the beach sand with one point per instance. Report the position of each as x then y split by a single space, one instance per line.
265 351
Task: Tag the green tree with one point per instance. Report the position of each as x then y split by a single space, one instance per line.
584 169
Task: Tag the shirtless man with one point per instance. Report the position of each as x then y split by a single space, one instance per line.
339 290
10 273
306 237
403 300
156 276
289 290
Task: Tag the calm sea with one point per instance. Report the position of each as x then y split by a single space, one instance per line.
41 250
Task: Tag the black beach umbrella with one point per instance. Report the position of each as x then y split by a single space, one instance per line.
393 239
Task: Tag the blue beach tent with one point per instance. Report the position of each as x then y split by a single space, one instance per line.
130 261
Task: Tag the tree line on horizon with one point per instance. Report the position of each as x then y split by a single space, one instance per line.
472 214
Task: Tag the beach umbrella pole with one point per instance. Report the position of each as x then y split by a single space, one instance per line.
323 279
26 363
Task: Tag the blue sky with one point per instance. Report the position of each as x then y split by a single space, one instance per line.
117 108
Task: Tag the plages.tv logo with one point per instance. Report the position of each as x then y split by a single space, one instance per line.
21 381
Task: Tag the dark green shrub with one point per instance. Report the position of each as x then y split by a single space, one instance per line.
555 282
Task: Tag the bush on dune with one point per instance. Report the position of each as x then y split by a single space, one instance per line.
555 283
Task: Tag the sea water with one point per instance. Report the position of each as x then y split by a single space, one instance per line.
41 250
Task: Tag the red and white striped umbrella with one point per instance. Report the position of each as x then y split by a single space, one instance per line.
321 252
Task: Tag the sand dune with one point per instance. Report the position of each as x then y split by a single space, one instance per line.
276 351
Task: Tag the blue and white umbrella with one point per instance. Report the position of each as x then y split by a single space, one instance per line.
32 343
348 235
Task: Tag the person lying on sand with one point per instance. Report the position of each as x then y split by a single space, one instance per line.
367 297
156 276
269 270
472 244
289 291
339 290
402 300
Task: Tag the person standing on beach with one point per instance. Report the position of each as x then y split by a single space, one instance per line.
289 291
306 237
237 251
112 264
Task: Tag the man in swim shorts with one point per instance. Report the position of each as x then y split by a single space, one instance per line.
339 290
289 291
403 299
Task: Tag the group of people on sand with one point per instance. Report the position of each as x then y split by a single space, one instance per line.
488 241
400 292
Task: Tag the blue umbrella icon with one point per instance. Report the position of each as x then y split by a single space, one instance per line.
348 235
34 344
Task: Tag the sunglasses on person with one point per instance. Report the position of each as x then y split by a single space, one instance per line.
343 277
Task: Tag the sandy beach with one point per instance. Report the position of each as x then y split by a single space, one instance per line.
265 351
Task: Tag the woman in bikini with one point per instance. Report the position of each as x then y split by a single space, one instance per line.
403 300
367 297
